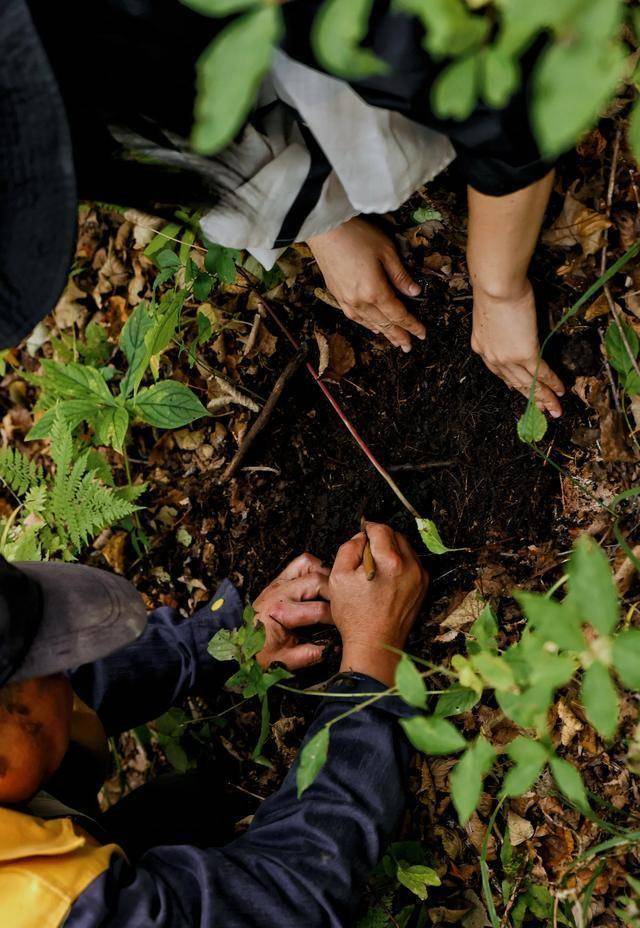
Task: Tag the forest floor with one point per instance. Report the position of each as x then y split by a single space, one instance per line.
446 429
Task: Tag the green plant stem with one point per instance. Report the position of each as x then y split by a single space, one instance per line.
324 694
484 867
556 586
127 470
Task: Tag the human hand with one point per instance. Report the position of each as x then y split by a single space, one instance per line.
359 264
296 598
370 614
505 335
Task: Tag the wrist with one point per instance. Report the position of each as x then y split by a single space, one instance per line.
374 661
501 291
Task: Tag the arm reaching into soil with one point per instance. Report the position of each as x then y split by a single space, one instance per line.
502 236
302 861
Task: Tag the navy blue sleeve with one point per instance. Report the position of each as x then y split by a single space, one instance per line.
161 667
303 862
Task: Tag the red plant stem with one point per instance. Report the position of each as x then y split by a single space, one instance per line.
340 413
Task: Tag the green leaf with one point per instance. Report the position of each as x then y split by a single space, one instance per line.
616 348
467 676
454 92
450 28
500 77
468 776
221 262
569 782
529 758
532 424
165 323
432 735
72 411
176 755
312 759
529 708
431 537
572 82
168 405
592 591
111 427
494 670
229 73
410 684
555 621
416 878
202 288
254 640
224 645
426 214
162 238
74 381
132 343
167 259
338 29
626 657
483 632
456 701
220 7
600 699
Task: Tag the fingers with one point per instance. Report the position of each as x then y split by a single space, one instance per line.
397 272
309 586
302 655
303 564
349 556
546 400
299 615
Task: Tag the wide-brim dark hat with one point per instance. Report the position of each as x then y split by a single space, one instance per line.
56 616
37 185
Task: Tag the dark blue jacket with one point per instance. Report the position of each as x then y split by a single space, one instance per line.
303 862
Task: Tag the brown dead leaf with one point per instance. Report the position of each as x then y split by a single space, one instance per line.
137 284
570 724
341 356
68 310
577 224
323 349
520 830
466 612
89 233
326 297
476 830
113 551
223 394
441 264
599 307
144 225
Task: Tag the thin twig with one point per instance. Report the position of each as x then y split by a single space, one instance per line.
263 416
612 383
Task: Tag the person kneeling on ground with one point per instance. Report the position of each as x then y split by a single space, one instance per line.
74 637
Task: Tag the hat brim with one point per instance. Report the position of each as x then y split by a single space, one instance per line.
87 614
37 192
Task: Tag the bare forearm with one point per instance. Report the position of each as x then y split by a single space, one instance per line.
503 232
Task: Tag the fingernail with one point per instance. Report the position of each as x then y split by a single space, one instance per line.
406 348
423 336
555 413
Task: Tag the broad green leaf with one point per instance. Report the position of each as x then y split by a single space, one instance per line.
220 7
416 877
500 77
433 735
201 289
254 640
529 758
410 684
619 356
162 238
431 537
483 632
176 755
72 411
450 28
467 676
468 776
221 262
569 782
494 670
572 82
600 699
74 381
426 214
256 754
626 657
532 424
132 343
168 405
229 73
529 708
224 645
159 335
312 759
111 427
167 259
456 701
454 92
555 621
592 591
338 29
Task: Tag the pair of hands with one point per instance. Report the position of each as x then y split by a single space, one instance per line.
362 270
369 614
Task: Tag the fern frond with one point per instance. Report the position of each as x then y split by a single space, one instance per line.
18 472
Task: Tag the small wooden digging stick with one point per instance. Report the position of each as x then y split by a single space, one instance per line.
263 416
367 557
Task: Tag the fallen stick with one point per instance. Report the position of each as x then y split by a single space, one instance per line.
263 416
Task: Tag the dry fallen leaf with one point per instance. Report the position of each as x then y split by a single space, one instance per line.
224 394
520 830
326 297
341 356
577 225
323 348
68 311
466 613
113 551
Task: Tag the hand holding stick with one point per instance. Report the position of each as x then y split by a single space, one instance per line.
367 557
